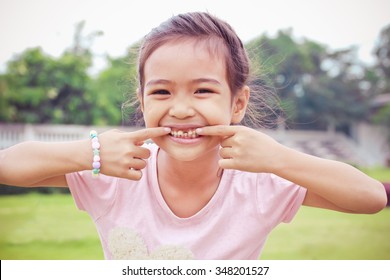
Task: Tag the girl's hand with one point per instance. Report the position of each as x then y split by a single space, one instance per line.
245 149
121 152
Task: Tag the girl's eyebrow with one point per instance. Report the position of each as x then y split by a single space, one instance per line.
157 81
195 81
206 80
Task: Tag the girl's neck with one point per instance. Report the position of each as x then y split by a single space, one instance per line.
187 187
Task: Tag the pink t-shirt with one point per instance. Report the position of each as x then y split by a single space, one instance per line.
134 221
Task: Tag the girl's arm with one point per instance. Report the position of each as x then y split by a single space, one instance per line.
45 164
330 184
40 164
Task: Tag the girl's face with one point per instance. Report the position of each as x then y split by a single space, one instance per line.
186 88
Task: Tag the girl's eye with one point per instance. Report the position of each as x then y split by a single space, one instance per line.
204 90
160 92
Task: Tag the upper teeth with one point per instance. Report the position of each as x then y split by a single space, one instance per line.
190 133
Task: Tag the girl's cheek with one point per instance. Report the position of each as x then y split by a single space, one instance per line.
153 116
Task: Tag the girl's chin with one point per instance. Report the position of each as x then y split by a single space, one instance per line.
187 153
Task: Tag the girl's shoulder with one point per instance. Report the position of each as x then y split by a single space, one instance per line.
265 184
256 179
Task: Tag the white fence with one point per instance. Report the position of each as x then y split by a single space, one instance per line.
11 134
330 145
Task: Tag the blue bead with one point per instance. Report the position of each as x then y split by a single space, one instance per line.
93 134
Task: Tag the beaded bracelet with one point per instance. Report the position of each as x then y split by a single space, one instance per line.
96 153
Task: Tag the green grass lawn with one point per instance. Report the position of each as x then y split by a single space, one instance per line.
37 226
322 234
380 173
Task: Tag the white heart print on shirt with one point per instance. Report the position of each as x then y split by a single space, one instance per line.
126 244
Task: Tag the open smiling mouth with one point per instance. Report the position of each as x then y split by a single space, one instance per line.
184 133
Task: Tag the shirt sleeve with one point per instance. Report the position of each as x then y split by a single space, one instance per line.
93 195
279 200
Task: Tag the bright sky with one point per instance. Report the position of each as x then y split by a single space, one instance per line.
51 23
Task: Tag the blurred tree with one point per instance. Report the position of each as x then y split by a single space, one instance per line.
319 89
382 52
37 88
378 77
115 90
335 93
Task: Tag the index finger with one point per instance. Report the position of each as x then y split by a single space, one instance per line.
216 130
147 133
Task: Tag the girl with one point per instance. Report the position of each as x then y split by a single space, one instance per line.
205 189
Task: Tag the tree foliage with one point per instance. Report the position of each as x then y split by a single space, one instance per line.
115 87
379 76
318 88
40 89
382 52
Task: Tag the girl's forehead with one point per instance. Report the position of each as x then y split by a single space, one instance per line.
198 48
184 61
190 54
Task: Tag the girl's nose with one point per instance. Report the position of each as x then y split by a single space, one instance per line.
182 108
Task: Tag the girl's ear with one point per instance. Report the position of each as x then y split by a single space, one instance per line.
240 102
140 99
